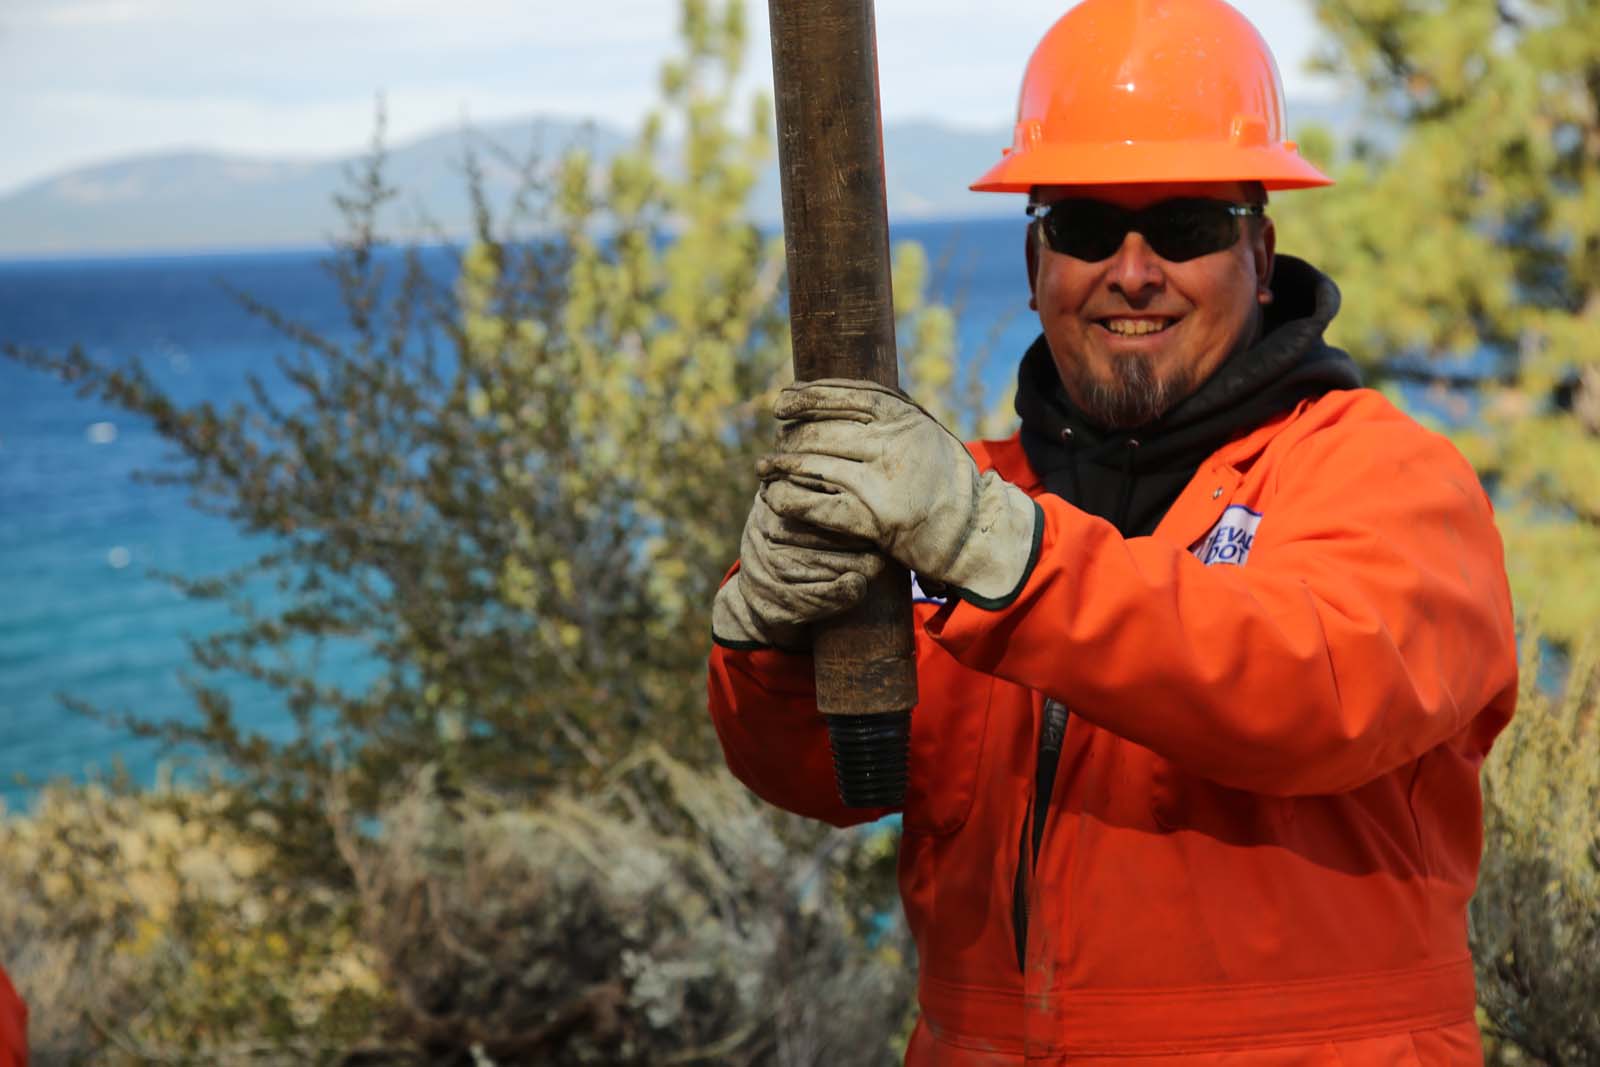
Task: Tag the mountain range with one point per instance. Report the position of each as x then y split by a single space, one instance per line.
192 201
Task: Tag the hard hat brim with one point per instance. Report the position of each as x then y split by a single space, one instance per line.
1275 166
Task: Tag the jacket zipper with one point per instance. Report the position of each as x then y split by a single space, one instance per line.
1052 732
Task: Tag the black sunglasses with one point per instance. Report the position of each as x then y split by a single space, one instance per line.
1177 230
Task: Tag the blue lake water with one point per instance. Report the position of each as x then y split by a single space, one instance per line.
80 540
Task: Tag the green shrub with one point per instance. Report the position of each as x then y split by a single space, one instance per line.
1536 916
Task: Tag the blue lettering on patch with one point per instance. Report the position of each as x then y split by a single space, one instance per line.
1229 541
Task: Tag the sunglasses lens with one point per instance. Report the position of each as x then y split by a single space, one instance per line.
1180 230
1177 230
1085 229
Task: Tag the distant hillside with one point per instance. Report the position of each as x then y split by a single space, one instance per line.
192 201
197 200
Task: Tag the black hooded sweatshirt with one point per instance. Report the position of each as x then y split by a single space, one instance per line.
1131 477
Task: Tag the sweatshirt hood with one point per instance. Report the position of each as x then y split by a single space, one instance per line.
1130 477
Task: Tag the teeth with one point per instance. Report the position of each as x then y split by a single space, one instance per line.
1136 327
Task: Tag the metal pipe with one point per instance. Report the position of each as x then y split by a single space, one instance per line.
841 310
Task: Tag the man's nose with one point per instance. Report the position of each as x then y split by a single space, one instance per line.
1135 269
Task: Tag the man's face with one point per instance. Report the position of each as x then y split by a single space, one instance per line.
1098 316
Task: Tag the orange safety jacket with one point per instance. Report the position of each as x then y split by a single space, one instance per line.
13 1025
1266 821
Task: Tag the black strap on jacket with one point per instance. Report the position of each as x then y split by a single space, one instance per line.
1052 732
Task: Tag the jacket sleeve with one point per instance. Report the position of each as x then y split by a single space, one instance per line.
763 703
1370 623
13 1025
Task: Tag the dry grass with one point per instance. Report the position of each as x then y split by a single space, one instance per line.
1536 917
669 919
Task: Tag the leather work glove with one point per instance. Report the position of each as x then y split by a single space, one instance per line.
865 461
789 576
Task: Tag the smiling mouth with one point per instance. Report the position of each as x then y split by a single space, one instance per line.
1123 327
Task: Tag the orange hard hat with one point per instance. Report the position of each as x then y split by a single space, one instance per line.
1150 91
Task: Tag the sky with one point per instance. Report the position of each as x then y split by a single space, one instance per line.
84 81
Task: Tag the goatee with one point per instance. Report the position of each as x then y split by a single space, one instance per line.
1134 394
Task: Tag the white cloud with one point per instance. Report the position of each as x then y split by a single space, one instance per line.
77 13
85 80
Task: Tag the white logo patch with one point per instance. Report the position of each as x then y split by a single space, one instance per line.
1230 539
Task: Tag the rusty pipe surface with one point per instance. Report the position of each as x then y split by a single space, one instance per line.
841 311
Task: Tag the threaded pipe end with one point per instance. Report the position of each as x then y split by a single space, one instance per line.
871 754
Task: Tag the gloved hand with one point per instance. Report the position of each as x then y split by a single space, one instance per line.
863 460
789 576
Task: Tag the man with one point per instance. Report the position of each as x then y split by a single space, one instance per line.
1214 647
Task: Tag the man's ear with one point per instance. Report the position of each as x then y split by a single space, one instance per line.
1031 252
1264 249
